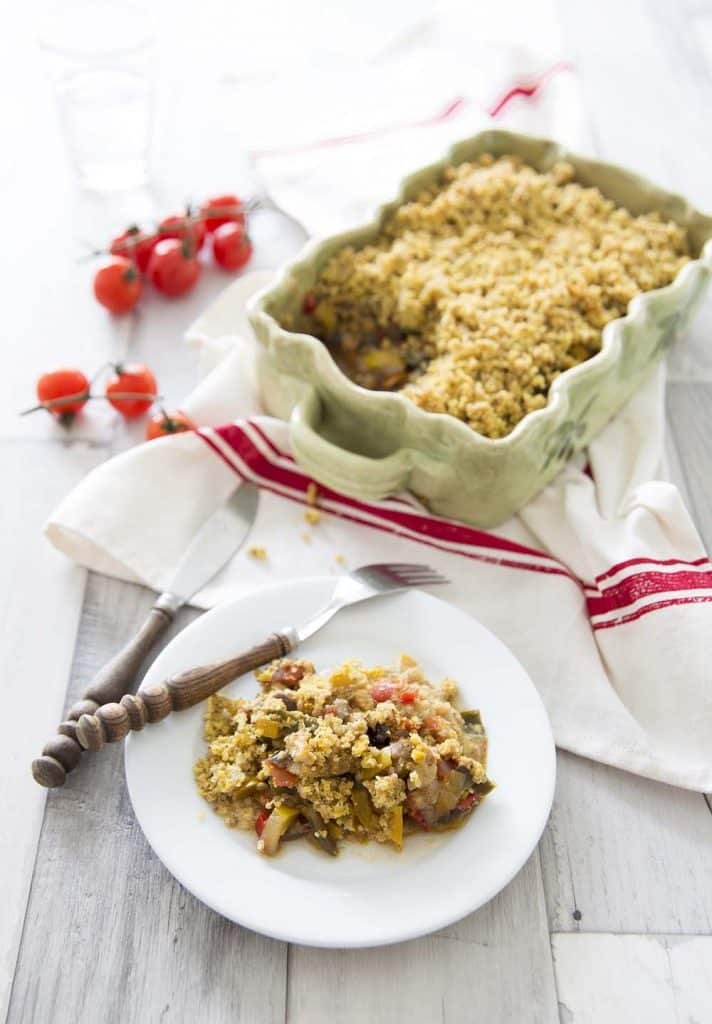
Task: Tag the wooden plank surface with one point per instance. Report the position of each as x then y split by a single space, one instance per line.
624 854
495 965
40 609
117 938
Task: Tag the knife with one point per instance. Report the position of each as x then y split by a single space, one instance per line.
209 550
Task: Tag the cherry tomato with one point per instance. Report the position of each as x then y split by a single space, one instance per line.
134 244
168 423
132 379
231 246
261 821
60 383
173 269
117 285
382 691
226 208
181 227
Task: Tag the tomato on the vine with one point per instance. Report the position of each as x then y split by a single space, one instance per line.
135 380
117 285
173 268
134 244
183 226
63 383
223 209
165 424
231 246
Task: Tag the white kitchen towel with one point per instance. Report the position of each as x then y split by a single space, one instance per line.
600 586
333 133
336 181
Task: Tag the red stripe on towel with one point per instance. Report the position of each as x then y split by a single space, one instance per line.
276 471
643 584
649 561
290 482
448 530
452 107
668 603
527 90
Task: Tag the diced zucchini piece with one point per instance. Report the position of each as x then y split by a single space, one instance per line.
267 727
276 825
396 826
364 810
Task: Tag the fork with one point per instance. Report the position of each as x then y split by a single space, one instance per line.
112 722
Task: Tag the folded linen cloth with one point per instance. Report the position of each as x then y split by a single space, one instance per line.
600 586
335 182
332 136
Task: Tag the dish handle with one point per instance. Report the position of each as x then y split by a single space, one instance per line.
358 476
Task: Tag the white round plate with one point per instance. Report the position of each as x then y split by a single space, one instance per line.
370 894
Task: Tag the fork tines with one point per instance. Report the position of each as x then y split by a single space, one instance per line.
410 574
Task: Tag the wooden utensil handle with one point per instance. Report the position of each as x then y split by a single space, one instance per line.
114 721
62 753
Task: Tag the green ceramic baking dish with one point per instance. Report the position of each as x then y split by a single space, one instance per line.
369 444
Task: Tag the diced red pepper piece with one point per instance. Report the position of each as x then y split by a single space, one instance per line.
260 821
468 802
309 303
409 696
418 816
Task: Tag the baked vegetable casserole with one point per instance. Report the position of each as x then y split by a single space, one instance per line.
359 754
479 292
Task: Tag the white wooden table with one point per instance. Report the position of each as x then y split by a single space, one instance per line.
611 918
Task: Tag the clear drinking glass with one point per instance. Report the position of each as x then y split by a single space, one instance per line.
100 58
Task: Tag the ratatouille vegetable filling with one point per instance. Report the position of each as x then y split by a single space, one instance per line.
359 754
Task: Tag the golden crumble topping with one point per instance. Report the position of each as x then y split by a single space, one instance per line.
477 294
